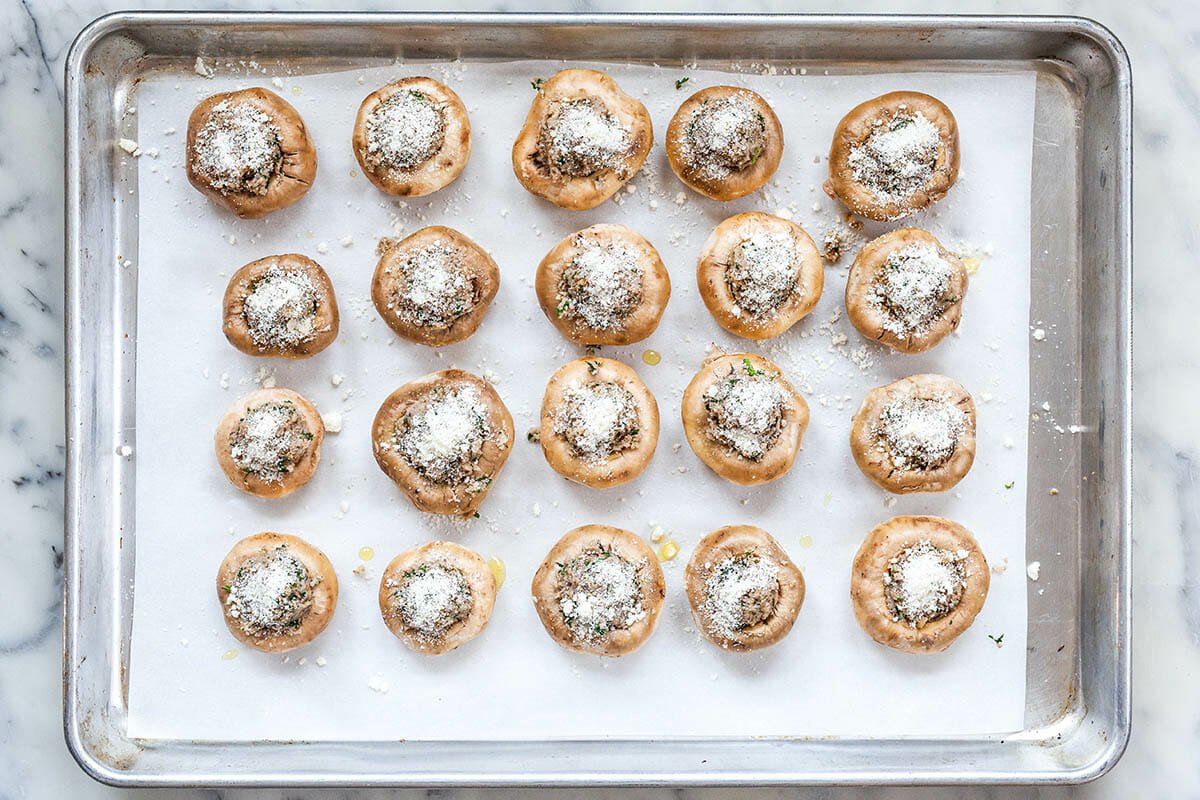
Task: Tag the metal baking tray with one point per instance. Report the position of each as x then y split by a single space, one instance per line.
1077 713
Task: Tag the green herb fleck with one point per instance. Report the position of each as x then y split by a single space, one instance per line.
680 83
226 588
536 83
1010 484
999 640
750 370
593 367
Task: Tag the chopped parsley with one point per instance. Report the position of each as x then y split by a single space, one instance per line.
1010 484
680 83
536 83
999 640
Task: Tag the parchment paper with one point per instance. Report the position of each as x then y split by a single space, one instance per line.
356 681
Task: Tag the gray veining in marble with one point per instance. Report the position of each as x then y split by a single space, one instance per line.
1164 42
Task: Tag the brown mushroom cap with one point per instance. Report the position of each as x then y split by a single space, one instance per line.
616 642
888 540
325 318
461 499
617 468
724 460
640 322
735 183
324 590
719 297
871 319
872 456
858 126
292 177
587 191
389 278
298 473
477 576
441 168
731 542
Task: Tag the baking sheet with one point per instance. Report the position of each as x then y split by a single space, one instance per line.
190 679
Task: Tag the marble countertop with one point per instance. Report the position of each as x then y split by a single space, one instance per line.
1162 39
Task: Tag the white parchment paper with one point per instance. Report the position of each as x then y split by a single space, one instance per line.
190 679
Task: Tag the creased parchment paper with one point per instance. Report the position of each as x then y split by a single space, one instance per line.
190 679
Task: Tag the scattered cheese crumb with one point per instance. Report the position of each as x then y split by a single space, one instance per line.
378 684
321 661
202 69
1033 570
322 247
125 450
1039 335
337 378
129 146
332 420
537 509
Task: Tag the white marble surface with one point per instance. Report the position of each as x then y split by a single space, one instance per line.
1164 41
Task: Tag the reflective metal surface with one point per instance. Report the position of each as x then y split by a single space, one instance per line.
1078 703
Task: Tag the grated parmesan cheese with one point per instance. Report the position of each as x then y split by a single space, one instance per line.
280 310
745 411
912 289
763 272
598 592
898 158
443 436
579 138
924 583
919 433
431 598
601 286
237 150
598 420
269 440
404 131
740 592
270 593
723 136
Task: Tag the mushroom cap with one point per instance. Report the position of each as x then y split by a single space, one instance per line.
858 125
723 460
874 461
627 546
300 473
476 261
871 320
296 172
886 541
325 590
443 167
641 322
616 469
730 542
719 298
587 191
478 577
326 319
426 495
735 184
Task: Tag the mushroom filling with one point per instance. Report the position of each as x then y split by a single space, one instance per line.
270 440
431 598
920 433
898 158
442 436
763 272
724 136
271 593
740 592
579 138
281 307
405 131
598 420
600 286
238 149
912 290
435 287
598 592
924 583
745 411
